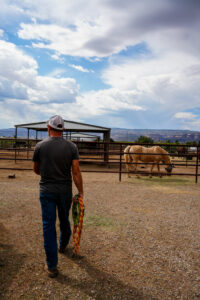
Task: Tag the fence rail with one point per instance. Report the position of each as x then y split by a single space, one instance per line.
107 154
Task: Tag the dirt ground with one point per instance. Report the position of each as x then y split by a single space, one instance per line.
141 240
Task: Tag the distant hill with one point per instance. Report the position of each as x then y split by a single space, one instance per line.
21 132
10 132
129 135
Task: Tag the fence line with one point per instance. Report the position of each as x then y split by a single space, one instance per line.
116 149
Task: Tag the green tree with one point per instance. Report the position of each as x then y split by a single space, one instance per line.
177 142
191 143
144 140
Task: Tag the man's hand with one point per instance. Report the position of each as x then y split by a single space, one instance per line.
76 197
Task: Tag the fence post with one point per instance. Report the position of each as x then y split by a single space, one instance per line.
15 154
15 144
197 162
120 163
28 145
186 157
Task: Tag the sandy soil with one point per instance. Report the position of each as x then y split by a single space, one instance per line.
141 240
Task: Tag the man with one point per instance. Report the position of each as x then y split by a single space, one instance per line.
54 158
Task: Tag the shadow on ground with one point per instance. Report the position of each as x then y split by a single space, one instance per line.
101 285
10 262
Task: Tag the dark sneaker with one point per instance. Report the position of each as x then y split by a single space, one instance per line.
61 249
52 273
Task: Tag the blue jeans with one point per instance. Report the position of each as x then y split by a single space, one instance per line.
49 203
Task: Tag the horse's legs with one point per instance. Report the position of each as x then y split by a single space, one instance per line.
158 166
127 160
129 166
150 175
135 167
128 169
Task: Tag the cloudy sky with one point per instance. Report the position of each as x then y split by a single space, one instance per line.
128 64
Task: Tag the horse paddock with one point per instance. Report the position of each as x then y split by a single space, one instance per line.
141 240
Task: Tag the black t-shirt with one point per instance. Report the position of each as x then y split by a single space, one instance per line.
55 156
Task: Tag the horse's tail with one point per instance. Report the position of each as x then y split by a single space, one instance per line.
126 154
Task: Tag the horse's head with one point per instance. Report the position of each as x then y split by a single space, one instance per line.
169 169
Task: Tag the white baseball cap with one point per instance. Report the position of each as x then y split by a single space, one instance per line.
56 122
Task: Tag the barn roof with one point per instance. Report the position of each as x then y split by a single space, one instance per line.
69 126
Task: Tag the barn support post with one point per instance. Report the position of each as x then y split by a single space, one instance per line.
36 135
120 163
28 144
66 135
106 145
197 162
15 144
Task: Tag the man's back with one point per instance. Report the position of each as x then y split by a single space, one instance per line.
55 156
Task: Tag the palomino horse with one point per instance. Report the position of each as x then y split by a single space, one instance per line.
153 154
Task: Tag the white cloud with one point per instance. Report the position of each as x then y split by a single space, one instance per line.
19 79
188 120
107 101
165 84
45 95
185 115
64 40
91 32
193 125
156 86
14 112
15 64
63 12
10 12
18 71
149 88
58 72
81 69
58 58
94 59
53 90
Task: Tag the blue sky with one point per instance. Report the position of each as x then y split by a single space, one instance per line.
129 64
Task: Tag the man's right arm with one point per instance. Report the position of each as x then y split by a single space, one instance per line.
36 159
36 167
77 177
